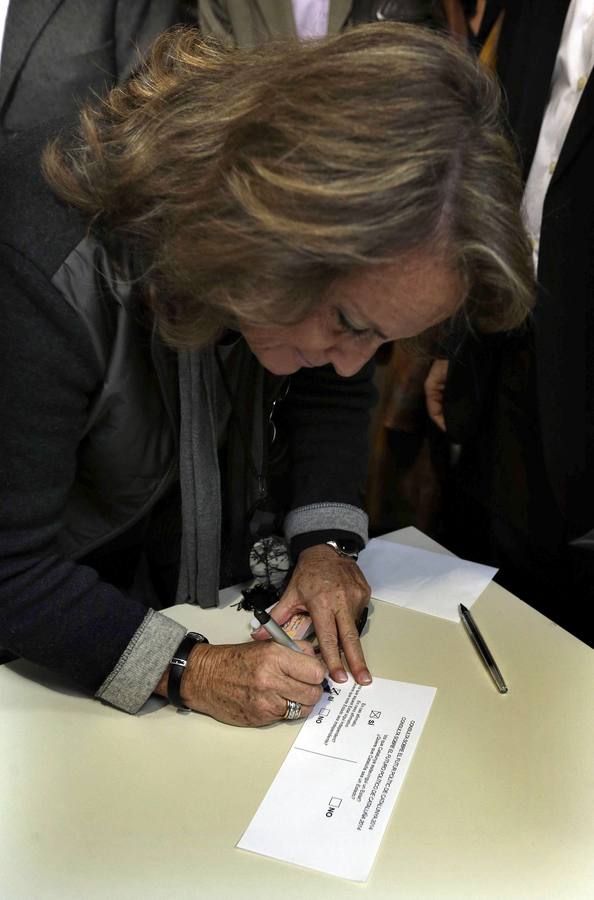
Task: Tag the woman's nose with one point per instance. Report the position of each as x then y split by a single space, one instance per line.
347 360
321 346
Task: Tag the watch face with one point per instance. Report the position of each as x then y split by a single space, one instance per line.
351 548
346 548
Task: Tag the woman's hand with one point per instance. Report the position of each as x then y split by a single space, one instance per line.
249 684
434 390
332 590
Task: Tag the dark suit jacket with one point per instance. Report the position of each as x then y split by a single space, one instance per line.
56 52
563 322
523 408
564 315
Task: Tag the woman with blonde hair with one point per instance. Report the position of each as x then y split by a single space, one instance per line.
229 233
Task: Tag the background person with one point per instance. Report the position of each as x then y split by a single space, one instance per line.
523 410
57 53
249 23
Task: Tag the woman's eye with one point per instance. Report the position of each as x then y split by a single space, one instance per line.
347 326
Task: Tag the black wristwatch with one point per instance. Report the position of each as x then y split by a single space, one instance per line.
178 665
345 548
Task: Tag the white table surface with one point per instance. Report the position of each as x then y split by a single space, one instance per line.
498 802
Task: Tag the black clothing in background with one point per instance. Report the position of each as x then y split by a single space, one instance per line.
523 407
59 52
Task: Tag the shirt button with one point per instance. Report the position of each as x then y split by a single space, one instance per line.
581 84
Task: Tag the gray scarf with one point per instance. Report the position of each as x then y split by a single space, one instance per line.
200 480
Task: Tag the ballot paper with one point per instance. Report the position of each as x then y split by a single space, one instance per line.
429 582
331 800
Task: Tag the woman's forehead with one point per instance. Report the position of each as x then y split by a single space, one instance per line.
412 293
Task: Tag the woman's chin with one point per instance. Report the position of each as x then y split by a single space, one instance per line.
282 368
280 365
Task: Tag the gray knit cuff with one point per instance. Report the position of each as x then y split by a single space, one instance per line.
326 516
137 672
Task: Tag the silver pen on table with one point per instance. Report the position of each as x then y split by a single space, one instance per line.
281 637
479 642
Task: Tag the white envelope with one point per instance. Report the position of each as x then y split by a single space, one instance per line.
433 583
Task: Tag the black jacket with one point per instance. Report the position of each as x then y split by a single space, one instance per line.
524 407
564 313
59 52
562 329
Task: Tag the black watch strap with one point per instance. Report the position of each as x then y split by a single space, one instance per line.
177 667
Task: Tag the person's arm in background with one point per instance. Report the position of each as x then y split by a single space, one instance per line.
456 18
435 383
475 15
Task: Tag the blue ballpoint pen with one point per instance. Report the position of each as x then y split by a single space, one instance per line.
281 637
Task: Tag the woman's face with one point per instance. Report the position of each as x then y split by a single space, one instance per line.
395 300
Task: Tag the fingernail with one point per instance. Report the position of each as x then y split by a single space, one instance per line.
341 675
365 677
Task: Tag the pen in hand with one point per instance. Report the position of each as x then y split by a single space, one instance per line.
481 646
281 637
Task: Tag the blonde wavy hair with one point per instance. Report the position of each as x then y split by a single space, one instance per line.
251 180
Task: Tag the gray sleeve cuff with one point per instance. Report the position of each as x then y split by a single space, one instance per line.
137 672
323 516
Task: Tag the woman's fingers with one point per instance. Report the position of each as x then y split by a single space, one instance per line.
336 630
351 646
334 592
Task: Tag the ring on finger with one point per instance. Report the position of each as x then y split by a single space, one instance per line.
293 710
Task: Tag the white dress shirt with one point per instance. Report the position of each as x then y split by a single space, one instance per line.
572 70
3 14
311 17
